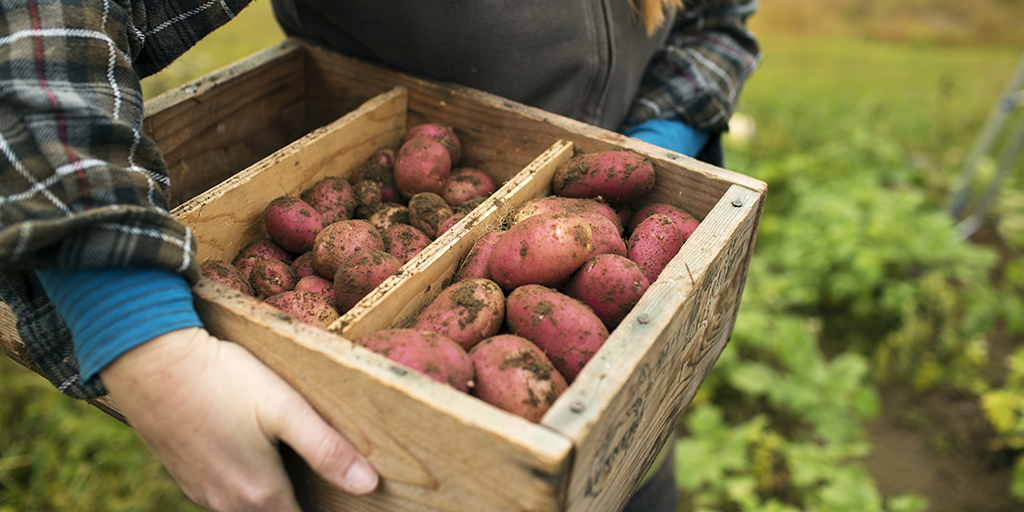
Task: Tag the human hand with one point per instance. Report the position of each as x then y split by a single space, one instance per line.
214 414
670 134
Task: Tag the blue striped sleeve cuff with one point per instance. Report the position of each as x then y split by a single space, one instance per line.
111 310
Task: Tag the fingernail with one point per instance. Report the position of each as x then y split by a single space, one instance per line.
360 478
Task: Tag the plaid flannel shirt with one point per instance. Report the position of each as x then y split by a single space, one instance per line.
81 185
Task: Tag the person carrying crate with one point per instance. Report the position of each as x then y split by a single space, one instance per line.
98 273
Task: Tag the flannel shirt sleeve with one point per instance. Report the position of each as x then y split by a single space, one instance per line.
698 76
81 186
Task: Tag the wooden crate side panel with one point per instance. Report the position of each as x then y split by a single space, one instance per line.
437 449
215 126
622 408
397 301
501 136
229 215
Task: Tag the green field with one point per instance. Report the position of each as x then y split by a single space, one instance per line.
875 363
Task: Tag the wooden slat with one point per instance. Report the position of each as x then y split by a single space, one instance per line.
397 301
436 448
628 399
229 215
215 126
503 136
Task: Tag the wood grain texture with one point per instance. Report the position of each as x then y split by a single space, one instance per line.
397 301
629 397
436 448
229 215
217 125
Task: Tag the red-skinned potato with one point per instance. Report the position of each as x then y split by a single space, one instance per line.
427 211
318 285
340 240
450 222
605 233
292 223
332 197
359 274
566 329
543 249
688 224
262 249
389 214
368 198
426 352
477 261
226 274
616 176
405 242
570 205
466 182
303 265
610 284
270 277
654 243
465 312
443 134
422 165
514 375
308 307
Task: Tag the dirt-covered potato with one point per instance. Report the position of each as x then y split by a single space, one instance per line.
688 224
514 375
309 307
566 329
226 274
543 249
466 182
405 242
359 274
422 165
654 242
610 284
340 240
465 312
389 214
332 197
426 352
616 176
270 277
477 261
570 205
427 211
261 249
443 134
292 223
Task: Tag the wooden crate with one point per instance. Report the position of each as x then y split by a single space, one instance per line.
284 118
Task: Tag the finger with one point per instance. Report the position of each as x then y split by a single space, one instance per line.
326 451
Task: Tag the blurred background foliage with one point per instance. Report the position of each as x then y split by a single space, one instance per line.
865 313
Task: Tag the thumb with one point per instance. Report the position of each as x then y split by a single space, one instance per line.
326 451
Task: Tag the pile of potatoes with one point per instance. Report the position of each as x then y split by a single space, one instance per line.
336 241
531 303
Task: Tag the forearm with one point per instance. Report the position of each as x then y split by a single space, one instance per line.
698 78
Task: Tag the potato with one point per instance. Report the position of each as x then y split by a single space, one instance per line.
368 198
427 211
572 205
389 214
477 261
687 222
262 249
543 249
654 242
292 223
465 312
450 222
441 133
381 175
340 240
318 285
610 284
426 352
513 374
270 277
226 274
359 274
566 329
606 237
616 176
466 182
405 242
303 265
422 165
332 197
308 307
384 157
